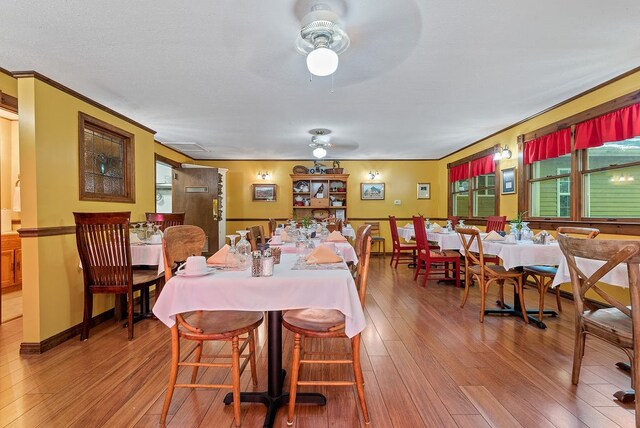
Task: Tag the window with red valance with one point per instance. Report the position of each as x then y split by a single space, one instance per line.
592 172
472 188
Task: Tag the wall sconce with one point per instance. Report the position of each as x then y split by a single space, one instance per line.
505 153
373 175
264 175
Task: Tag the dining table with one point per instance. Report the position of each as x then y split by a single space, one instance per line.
515 255
344 248
294 285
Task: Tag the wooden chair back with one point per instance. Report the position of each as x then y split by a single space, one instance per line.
588 232
362 233
164 220
454 219
256 236
467 237
273 225
420 233
393 225
103 246
375 227
496 223
362 274
613 253
180 242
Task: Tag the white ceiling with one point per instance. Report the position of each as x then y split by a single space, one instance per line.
421 79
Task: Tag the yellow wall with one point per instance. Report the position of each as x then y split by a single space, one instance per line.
400 178
8 85
52 280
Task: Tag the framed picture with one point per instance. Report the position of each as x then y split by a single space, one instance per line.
371 191
340 215
424 190
508 181
264 192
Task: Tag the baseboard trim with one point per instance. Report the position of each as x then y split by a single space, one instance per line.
34 348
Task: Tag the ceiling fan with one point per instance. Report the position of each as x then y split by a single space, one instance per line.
320 141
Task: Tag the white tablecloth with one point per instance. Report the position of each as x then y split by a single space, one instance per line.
348 232
524 253
286 289
617 276
345 248
148 255
446 241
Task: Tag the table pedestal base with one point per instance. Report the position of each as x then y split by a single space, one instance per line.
273 403
517 311
627 395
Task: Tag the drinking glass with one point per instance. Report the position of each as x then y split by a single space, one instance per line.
243 249
231 261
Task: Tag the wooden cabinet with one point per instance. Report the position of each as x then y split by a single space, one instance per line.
319 195
11 264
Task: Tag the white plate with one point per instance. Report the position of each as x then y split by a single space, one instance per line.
184 273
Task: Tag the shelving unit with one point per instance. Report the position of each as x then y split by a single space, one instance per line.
319 195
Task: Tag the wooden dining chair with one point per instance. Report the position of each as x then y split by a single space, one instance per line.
401 250
273 225
105 254
164 220
543 275
496 223
327 324
376 238
615 324
237 327
256 236
484 273
443 262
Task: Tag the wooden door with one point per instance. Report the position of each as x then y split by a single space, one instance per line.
195 192
7 268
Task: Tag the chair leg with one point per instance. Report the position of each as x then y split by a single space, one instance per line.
235 374
175 359
518 284
418 263
467 284
558 297
252 357
357 373
483 292
578 353
130 313
88 311
393 254
196 359
427 268
542 290
295 371
456 267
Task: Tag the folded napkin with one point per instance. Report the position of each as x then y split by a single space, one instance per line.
323 254
133 238
493 236
436 229
408 225
475 228
434 225
284 236
219 258
336 236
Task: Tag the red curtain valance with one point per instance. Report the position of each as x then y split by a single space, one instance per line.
615 126
485 165
548 146
460 172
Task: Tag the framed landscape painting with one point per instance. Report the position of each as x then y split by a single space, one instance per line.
371 191
264 192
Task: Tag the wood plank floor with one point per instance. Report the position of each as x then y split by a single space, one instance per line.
426 362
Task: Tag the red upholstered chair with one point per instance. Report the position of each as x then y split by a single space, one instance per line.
405 251
496 223
454 220
439 262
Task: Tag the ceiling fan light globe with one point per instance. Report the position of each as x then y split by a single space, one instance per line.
322 62
319 152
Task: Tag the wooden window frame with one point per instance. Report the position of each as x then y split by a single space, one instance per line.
630 226
88 122
471 219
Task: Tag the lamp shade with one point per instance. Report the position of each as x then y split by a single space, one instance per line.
322 61
319 152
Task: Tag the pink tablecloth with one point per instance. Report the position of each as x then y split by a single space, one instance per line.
286 289
148 255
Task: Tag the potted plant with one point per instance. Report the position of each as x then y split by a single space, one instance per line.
518 225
